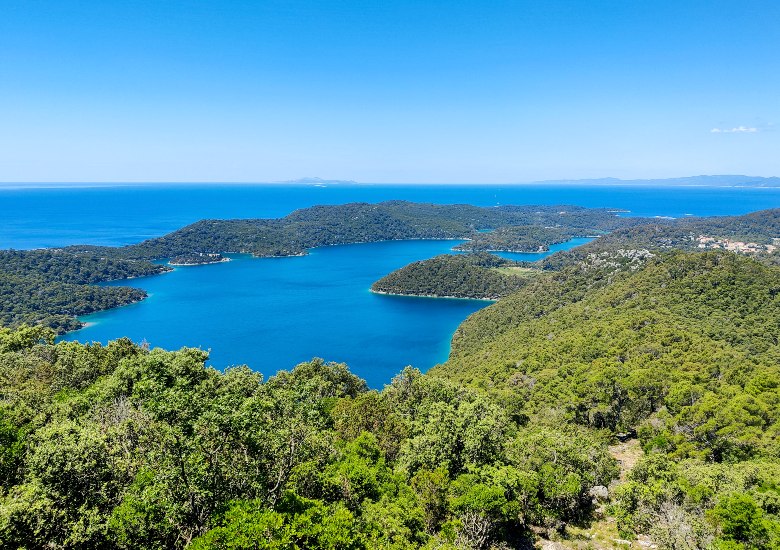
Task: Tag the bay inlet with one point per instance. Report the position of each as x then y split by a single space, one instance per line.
272 313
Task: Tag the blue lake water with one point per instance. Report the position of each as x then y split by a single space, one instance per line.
274 313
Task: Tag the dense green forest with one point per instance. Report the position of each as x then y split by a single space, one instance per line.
478 275
56 266
33 300
53 287
681 349
119 446
522 238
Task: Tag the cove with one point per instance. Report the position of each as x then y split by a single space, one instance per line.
273 313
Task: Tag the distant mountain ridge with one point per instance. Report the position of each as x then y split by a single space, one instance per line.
718 180
712 181
702 180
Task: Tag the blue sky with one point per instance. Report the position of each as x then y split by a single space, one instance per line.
387 91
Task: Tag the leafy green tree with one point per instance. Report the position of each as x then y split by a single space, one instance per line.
741 521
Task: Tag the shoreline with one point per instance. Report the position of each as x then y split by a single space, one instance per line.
167 270
384 293
87 324
540 251
223 260
491 250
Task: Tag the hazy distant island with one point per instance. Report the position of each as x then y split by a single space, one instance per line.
319 181
726 180
693 181
687 181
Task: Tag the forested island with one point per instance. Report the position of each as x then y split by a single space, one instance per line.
479 275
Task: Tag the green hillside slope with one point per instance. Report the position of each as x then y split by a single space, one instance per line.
756 234
681 349
122 447
707 319
119 446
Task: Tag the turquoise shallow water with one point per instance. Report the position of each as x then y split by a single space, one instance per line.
273 313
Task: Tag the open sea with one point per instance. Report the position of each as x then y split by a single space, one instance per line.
275 312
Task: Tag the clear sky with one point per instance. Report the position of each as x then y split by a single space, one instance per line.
387 91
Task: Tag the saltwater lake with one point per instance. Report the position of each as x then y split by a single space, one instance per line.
274 313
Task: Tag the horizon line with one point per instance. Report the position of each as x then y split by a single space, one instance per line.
336 182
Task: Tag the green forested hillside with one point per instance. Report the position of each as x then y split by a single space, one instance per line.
681 349
52 287
57 266
478 275
119 446
123 447
761 228
33 300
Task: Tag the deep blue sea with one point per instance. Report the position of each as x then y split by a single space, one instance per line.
274 313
